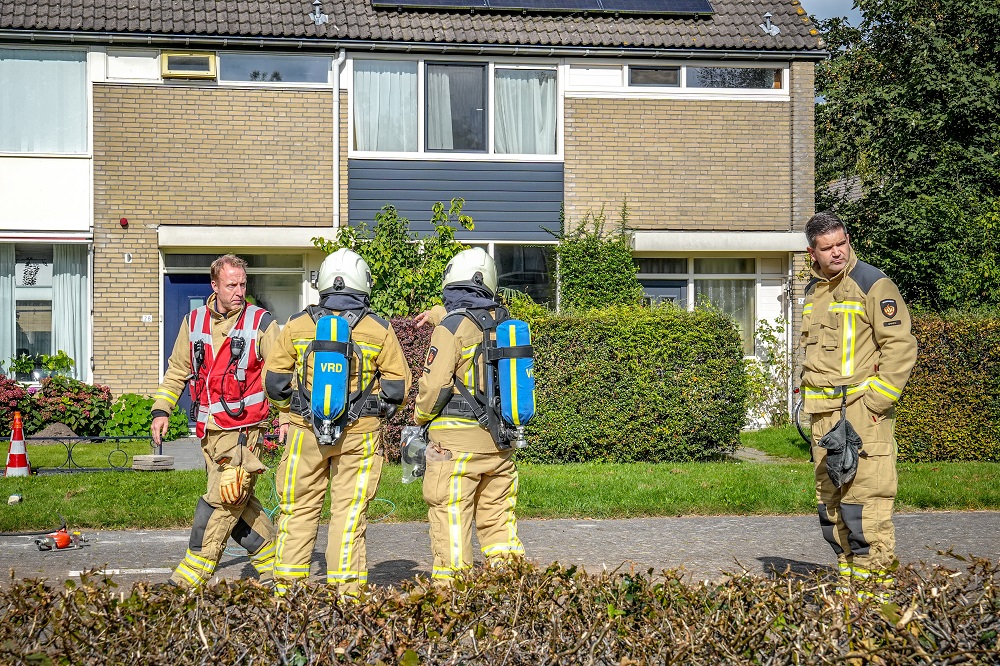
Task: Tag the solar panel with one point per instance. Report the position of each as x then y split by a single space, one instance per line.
431 4
647 7
548 5
657 6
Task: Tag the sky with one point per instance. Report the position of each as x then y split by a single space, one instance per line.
824 9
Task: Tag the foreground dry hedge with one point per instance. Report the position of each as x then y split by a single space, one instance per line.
523 615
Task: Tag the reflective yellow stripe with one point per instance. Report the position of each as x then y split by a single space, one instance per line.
300 352
287 498
856 307
453 422
327 395
847 358
356 510
169 396
885 388
292 570
455 509
421 414
369 353
469 353
807 308
828 392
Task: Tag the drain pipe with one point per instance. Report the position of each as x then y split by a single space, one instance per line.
341 57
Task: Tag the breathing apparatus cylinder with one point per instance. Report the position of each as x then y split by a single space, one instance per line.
330 377
517 377
413 452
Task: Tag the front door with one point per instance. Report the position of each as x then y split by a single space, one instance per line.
182 293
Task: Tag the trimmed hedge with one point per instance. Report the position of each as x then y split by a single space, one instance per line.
950 409
634 384
519 615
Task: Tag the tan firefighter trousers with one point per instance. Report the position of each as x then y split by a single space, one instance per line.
351 468
856 518
215 521
466 488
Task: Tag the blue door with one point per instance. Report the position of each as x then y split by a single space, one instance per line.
181 294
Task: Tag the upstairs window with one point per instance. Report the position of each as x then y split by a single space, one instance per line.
757 78
270 68
43 101
456 107
406 106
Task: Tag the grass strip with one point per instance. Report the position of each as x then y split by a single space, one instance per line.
149 500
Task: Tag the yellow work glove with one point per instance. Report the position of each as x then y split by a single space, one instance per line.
234 485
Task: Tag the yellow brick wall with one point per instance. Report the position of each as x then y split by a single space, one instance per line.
680 164
192 155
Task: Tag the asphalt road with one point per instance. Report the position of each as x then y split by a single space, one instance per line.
704 548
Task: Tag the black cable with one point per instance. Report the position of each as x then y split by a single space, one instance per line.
16 534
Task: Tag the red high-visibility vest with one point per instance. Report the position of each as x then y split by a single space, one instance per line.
213 380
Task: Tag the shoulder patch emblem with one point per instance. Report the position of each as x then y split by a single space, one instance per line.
888 307
431 355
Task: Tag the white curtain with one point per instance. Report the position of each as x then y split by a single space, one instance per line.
7 330
70 299
43 101
526 111
439 126
736 299
385 105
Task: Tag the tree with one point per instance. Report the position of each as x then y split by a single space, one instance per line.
910 121
406 271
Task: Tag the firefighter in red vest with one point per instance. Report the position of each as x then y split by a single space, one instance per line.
219 354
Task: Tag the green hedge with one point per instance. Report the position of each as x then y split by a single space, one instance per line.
950 409
633 384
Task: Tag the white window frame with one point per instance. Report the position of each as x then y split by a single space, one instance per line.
228 83
624 90
454 156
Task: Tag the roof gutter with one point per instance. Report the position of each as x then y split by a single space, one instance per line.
331 45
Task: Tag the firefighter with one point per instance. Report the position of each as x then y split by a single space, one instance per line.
858 352
352 464
221 349
469 477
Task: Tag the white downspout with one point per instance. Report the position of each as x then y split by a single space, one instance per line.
341 57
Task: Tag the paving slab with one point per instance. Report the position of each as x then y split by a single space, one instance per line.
703 548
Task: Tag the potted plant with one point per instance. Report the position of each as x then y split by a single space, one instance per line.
22 367
59 363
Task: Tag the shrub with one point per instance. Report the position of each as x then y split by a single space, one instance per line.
82 407
415 342
632 384
406 270
768 375
949 410
131 417
518 615
596 268
13 398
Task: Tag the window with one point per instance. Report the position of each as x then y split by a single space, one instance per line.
528 269
654 76
43 101
274 68
415 107
187 65
385 105
726 283
526 111
37 280
274 281
733 77
456 107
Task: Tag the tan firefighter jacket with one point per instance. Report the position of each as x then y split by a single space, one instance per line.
855 334
374 338
179 365
453 346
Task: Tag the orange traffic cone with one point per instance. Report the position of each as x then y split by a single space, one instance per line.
17 455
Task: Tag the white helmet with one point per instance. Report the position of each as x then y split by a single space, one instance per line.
473 268
344 271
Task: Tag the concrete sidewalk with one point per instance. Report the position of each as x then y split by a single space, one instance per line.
706 548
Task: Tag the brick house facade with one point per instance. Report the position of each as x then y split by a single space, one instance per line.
718 179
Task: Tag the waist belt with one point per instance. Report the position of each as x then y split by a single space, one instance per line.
459 406
371 407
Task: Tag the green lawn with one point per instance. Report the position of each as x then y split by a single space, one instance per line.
118 500
778 442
